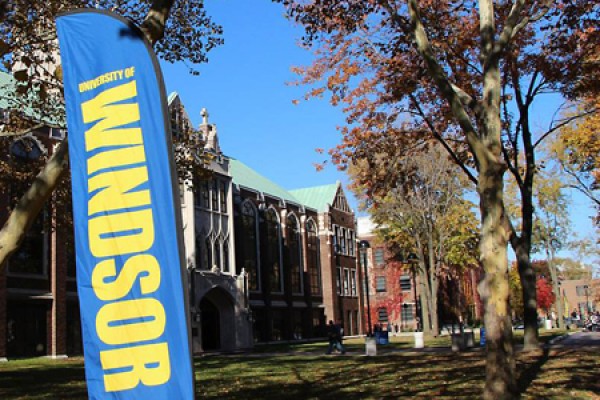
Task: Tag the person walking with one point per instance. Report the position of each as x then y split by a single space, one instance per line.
334 334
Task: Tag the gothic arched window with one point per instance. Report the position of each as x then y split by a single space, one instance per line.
312 258
295 252
249 244
273 256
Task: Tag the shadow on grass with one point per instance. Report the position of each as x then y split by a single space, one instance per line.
385 377
531 372
44 382
559 372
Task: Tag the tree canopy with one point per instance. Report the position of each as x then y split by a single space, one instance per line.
179 30
464 73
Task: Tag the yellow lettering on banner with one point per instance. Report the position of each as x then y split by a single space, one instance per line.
116 158
116 190
133 233
121 322
124 281
148 364
110 116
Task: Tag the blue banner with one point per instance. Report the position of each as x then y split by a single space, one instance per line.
128 235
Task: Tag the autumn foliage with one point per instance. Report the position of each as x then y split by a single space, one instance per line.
544 294
465 74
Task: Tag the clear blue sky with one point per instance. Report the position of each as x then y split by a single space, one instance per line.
245 89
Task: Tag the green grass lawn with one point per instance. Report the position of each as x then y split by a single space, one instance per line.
303 372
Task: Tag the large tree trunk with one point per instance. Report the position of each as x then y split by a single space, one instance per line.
425 299
522 245
494 289
486 146
528 284
433 279
31 203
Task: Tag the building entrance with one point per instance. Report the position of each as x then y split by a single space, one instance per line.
218 321
211 330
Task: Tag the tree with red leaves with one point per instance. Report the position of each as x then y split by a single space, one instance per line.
545 295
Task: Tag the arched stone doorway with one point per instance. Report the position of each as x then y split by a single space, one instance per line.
218 322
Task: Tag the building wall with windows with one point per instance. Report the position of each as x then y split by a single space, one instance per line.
261 261
341 276
392 290
277 240
581 295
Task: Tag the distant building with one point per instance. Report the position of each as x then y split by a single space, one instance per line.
393 293
581 295
394 288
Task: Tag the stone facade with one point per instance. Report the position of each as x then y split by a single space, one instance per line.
296 270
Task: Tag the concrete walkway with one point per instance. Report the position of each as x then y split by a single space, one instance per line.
572 339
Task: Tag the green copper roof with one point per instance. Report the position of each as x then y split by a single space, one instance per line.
8 101
245 176
318 197
6 85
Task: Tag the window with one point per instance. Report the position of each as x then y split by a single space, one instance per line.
249 244
215 195
342 240
346 282
406 313
223 196
336 239
405 284
30 257
226 255
295 253
382 315
379 257
338 280
217 253
381 284
204 194
273 255
582 290
200 256
351 241
312 258
353 282
26 148
208 248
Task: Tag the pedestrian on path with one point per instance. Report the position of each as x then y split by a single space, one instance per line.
334 333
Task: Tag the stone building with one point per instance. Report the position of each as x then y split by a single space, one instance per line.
264 264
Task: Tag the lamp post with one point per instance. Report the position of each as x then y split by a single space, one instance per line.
364 245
